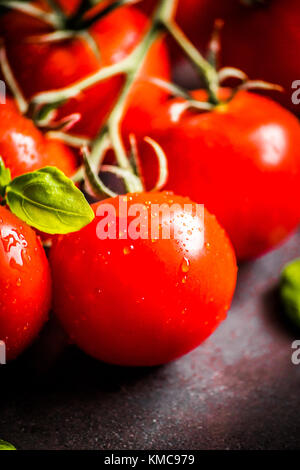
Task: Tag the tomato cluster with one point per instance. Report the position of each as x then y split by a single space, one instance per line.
98 79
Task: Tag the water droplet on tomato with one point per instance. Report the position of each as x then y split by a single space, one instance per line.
185 265
128 249
14 245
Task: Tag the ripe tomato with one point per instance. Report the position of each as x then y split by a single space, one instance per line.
249 38
264 41
25 284
242 160
24 148
143 302
47 66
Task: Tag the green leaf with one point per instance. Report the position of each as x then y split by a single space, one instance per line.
5 177
290 290
6 446
47 200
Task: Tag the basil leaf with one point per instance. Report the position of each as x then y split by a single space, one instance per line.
5 177
47 200
6 446
290 290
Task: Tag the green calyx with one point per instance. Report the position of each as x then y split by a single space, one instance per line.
6 445
45 199
290 290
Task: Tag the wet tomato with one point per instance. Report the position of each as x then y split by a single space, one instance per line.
24 148
142 302
241 160
25 284
41 66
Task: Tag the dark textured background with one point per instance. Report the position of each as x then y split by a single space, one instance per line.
239 390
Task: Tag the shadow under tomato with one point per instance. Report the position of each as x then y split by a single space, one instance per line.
275 314
53 363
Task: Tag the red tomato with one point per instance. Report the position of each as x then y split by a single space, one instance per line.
143 302
264 41
39 67
25 284
24 148
249 38
242 160
69 6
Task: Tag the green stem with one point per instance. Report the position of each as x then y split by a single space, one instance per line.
70 92
49 18
130 67
206 70
11 81
60 15
82 24
114 120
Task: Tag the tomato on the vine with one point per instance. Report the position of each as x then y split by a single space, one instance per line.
24 148
242 160
41 65
263 39
249 38
143 302
196 17
25 284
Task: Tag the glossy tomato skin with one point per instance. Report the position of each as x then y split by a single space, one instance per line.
48 66
241 160
25 284
143 302
24 148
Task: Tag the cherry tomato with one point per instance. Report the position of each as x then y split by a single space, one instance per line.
249 38
24 148
241 160
25 284
142 302
46 66
264 41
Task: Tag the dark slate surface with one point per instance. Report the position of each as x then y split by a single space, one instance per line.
239 390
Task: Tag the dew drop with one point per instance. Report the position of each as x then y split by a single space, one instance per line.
185 265
19 282
128 249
